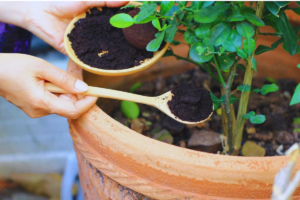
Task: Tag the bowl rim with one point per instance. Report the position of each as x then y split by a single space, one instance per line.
157 55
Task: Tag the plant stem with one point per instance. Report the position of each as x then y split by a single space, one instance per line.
273 34
191 61
219 71
228 107
245 95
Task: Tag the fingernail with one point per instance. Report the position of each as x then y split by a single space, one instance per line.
81 86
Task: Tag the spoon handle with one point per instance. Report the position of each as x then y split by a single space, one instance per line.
106 93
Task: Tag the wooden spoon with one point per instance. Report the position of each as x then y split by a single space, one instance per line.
160 102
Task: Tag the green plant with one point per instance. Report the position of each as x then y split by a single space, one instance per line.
219 35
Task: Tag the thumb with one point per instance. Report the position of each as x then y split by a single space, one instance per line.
62 79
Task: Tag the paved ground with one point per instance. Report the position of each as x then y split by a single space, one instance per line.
35 145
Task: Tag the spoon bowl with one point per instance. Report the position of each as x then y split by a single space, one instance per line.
147 63
160 102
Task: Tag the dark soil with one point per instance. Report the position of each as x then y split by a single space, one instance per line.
94 35
190 103
139 35
279 129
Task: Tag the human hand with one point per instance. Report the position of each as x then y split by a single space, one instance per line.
22 80
49 20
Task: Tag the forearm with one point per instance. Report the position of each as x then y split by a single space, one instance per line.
13 12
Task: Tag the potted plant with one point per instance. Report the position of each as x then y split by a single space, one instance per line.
220 35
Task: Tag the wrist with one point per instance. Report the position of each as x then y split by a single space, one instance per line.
13 12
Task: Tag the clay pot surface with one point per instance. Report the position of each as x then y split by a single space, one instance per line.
143 166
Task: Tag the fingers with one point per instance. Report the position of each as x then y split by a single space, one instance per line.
62 79
68 106
74 70
106 3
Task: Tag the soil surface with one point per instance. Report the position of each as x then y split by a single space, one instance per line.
190 103
98 44
280 130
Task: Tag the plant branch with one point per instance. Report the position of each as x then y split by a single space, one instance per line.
272 34
219 71
245 95
228 107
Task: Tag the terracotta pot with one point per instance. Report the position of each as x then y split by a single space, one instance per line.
117 163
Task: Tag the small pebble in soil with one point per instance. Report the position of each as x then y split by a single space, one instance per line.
139 35
190 103
95 35
207 141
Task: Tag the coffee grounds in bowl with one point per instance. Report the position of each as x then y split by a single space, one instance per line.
98 44
190 103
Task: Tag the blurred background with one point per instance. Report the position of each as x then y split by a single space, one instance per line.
31 147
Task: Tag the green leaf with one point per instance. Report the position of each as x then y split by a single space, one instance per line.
268 88
165 6
206 15
175 42
232 99
245 29
256 90
190 36
226 61
200 49
156 24
296 10
206 41
148 19
169 52
170 33
222 50
206 4
130 109
271 80
236 18
298 65
121 20
148 10
201 58
249 46
261 48
288 32
274 6
182 3
254 19
254 64
244 88
296 96
249 114
127 6
155 44
233 42
134 87
270 20
216 101
241 53
221 7
258 119
203 31
172 10
241 67
219 33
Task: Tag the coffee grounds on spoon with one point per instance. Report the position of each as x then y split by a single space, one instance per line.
190 103
98 44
